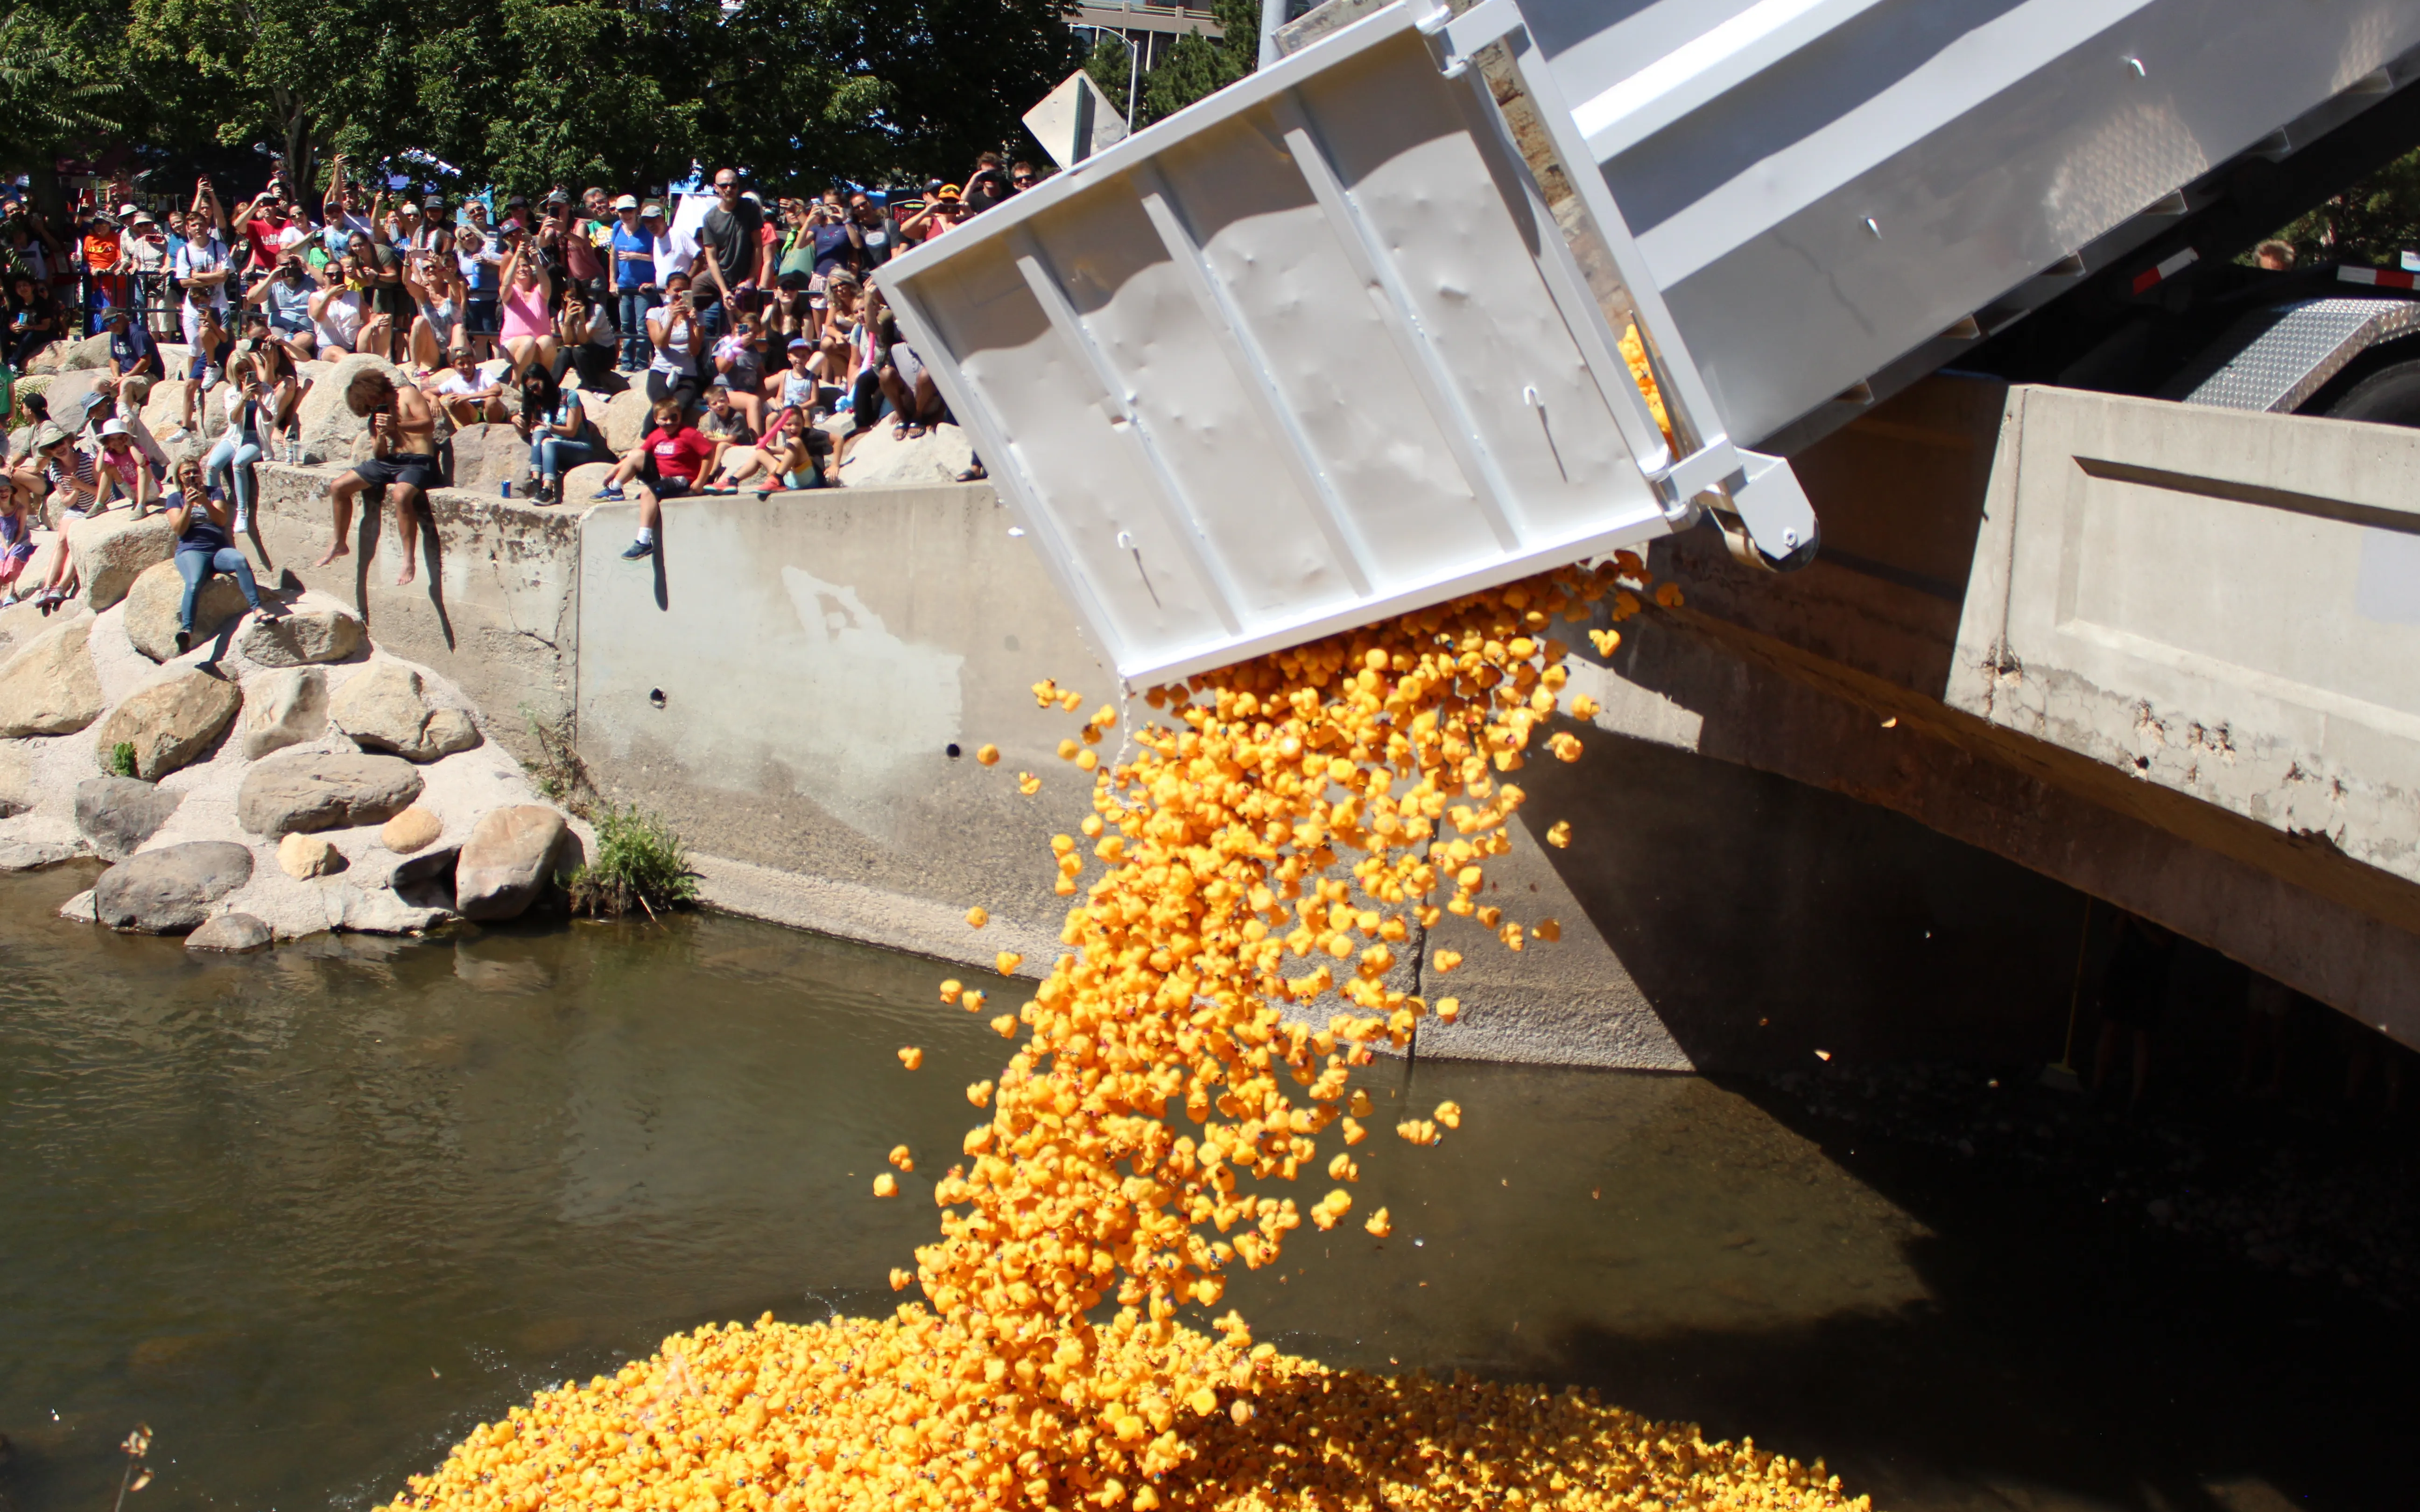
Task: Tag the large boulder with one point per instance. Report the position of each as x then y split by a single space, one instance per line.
50 688
624 421
485 455
119 814
507 860
427 880
17 790
159 592
385 709
169 722
170 890
878 461
583 481
302 638
163 408
316 790
84 356
34 854
283 708
20 623
232 933
110 550
329 428
70 397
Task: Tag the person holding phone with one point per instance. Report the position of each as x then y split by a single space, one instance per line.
675 333
197 512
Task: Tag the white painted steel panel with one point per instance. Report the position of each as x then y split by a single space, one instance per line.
1282 365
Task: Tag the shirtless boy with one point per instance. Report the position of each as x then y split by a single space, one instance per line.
403 432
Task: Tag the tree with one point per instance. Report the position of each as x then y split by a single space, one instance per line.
1193 69
61 88
2375 220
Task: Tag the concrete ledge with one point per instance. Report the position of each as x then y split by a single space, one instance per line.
870 915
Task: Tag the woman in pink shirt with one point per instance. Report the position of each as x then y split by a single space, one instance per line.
527 333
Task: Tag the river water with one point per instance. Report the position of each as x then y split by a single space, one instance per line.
313 1213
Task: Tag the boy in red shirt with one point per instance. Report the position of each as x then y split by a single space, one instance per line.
666 465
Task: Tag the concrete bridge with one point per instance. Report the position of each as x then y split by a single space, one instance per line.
2060 646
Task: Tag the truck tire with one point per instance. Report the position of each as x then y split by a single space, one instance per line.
2390 396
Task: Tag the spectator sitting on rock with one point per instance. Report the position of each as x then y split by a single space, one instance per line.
284 299
213 346
674 331
529 336
740 366
560 435
797 455
71 476
586 341
121 468
915 403
336 311
666 465
467 396
435 285
130 347
17 496
198 514
250 405
403 439
726 427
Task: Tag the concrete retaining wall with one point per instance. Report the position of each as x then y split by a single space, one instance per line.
494 608
784 681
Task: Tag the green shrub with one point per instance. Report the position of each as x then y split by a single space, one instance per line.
121 759
639 865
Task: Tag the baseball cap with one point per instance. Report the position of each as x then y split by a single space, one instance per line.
799 344
517 199
652 208
627 201
116 312
949 191
128 209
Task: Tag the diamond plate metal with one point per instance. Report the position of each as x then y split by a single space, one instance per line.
2284 356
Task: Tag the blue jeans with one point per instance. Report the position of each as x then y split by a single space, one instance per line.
198 563
236 451
554 455
636 303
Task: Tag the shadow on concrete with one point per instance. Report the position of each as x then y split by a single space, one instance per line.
1763 920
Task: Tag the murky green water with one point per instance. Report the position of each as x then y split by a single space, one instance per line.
311 1214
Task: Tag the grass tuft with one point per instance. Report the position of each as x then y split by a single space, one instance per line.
121 759
638 865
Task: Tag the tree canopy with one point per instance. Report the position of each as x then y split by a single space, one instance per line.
1193 67
533 92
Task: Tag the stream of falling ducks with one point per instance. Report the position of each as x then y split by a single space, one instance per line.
1277 836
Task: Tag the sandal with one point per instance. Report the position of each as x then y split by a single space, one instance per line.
973 474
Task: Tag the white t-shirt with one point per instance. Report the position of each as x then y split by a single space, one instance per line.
204 257
339 320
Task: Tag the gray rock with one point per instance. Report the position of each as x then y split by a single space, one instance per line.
152 603
485 455
79 356
113 549
379 911
17 793
170 722
302 640
232 933
329 428
170 890
50 688
119 814
317 791
507 858
283 708
385 709
34 854
427 880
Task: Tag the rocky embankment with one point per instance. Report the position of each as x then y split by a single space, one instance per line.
281 779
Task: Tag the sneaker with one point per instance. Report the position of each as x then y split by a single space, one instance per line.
242 522
611 490
184 641
638 551
270 609
212 375
181 433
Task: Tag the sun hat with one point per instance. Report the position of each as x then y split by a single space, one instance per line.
114 426
49 436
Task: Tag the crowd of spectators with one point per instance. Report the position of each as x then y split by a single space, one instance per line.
748 319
